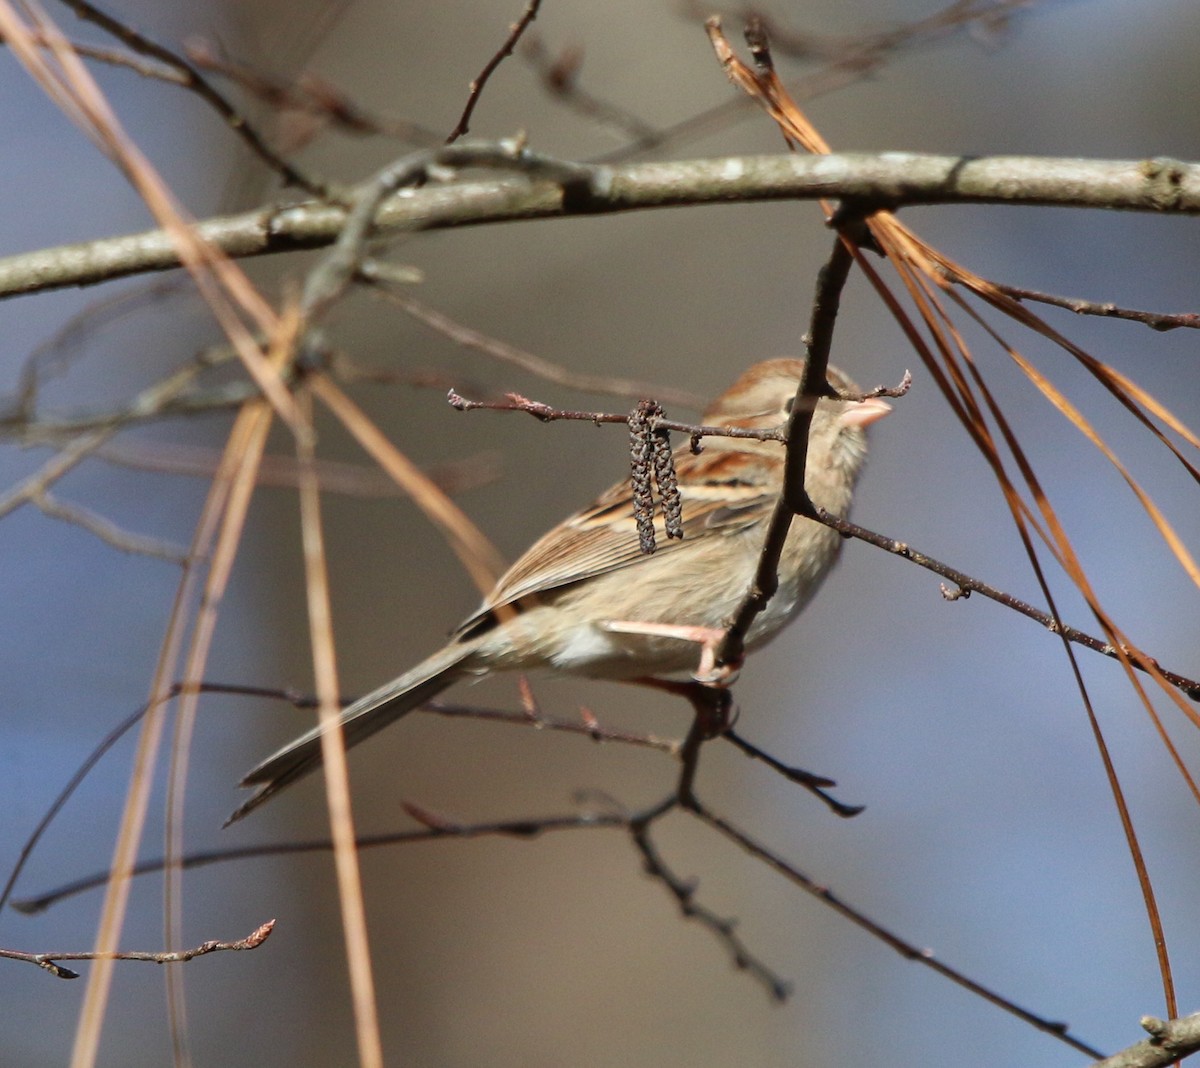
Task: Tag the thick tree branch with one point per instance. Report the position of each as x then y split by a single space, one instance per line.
1169 1042
890 179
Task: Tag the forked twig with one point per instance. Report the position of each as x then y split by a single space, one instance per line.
191 78
722 927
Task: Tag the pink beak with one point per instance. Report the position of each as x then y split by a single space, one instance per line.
864 413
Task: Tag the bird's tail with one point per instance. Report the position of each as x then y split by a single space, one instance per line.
358 722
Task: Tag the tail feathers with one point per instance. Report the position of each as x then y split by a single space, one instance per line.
358 722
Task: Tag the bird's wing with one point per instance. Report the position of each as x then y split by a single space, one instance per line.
717 499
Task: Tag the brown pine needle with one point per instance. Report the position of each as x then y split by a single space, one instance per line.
923 272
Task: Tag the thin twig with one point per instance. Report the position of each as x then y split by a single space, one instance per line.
51 430
105 529
906 949
344 261
69 343
64 795
966 585
587 725
547 414
114 58
559 75
1107 309
815 784
66 459
866 51
481 79
168 396
334 476
192 79
310 94
525 827
723 928
547 370
48 960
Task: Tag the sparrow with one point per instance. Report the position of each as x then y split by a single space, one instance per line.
586 600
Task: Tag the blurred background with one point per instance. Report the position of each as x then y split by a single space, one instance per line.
989 835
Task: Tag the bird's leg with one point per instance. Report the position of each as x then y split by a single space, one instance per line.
708 638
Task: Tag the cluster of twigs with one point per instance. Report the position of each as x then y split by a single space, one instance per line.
288 365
